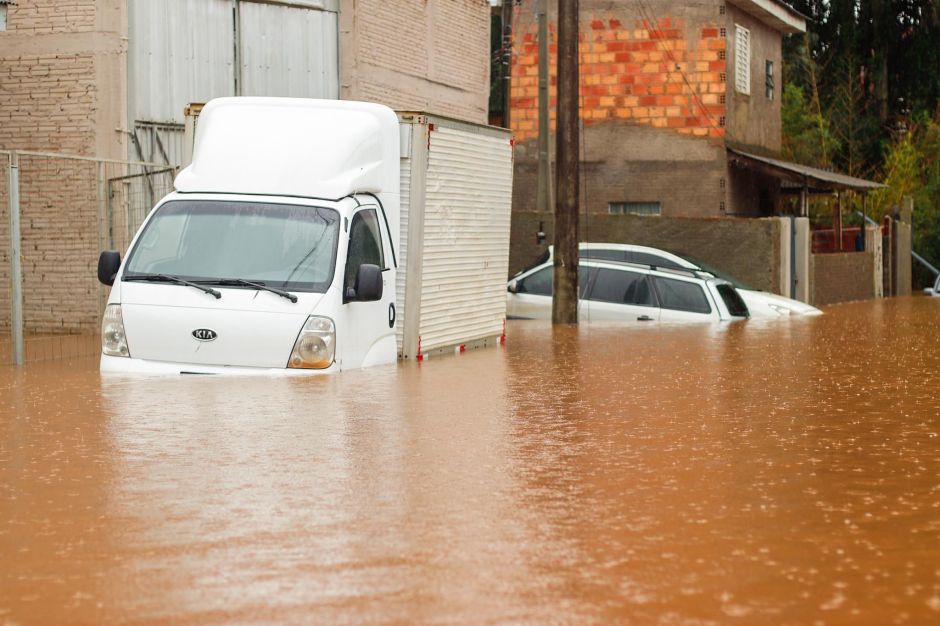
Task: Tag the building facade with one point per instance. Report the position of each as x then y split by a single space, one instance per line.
667 88
111 78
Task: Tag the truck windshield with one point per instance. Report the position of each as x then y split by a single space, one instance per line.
280 245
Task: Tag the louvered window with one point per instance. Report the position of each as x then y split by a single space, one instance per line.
742 60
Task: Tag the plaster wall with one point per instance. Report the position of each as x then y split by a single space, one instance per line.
753 120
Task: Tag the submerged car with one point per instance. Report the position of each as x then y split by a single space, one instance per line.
613 290
760 304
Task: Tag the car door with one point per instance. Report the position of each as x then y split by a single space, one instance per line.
682 299
532 298
621 294
369 332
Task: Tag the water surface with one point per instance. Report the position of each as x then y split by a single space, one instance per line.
750 473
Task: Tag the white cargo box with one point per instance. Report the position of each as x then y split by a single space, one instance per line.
456 200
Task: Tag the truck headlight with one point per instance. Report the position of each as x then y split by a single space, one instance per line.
315 345
113 339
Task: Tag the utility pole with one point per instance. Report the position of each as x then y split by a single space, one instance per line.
507 60
567 139
544 198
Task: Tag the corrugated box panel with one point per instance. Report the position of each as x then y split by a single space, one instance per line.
466 235
288 51
179 51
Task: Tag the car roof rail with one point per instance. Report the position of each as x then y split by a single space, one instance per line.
682 271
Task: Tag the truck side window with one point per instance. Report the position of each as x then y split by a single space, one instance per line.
365 245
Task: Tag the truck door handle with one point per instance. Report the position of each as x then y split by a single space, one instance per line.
644 318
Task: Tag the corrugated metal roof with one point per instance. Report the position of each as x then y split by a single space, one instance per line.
802 173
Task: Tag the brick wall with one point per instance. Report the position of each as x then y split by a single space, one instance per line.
666 72
842 277
747 249
43 17
426 55
46 103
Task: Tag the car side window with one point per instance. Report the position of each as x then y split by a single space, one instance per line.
622 287
365 245
680 295
537 284
541 282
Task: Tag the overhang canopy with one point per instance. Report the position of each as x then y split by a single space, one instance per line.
774 13
803 174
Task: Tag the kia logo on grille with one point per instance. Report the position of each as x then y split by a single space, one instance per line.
204 334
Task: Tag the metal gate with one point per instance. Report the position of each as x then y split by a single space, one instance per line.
58 212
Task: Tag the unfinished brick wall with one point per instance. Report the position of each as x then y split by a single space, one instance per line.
667 74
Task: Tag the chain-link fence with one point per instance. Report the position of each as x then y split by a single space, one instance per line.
69 208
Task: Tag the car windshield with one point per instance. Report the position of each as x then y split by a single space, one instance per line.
280 245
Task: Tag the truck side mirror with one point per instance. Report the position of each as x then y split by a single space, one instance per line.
368 284
513 287
108 265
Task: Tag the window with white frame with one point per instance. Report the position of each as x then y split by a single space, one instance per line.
742 60
3 16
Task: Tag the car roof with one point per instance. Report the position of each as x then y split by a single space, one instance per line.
667 272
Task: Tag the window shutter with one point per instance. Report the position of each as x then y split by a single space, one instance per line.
742 60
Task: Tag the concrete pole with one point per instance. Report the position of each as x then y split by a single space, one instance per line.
567 171
544 198
16 264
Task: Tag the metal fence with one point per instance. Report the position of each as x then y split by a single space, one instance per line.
57 212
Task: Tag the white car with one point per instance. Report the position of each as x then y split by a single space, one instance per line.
760 304
612 290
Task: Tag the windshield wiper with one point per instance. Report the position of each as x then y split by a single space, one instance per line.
248 283
173 279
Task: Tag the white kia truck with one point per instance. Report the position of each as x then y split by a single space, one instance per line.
313 236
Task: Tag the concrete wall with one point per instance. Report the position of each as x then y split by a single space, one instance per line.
425 55
624 163
842 277
748 249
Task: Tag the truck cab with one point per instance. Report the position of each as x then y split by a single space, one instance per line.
277 252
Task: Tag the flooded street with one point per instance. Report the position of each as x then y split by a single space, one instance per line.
775 473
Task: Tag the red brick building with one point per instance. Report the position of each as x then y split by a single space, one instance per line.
669 89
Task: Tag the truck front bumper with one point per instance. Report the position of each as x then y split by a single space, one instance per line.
116 365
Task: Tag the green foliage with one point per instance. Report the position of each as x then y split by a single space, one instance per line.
806 135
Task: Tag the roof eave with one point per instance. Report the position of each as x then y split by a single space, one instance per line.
774 13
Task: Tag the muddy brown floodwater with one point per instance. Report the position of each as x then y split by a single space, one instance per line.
746 473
